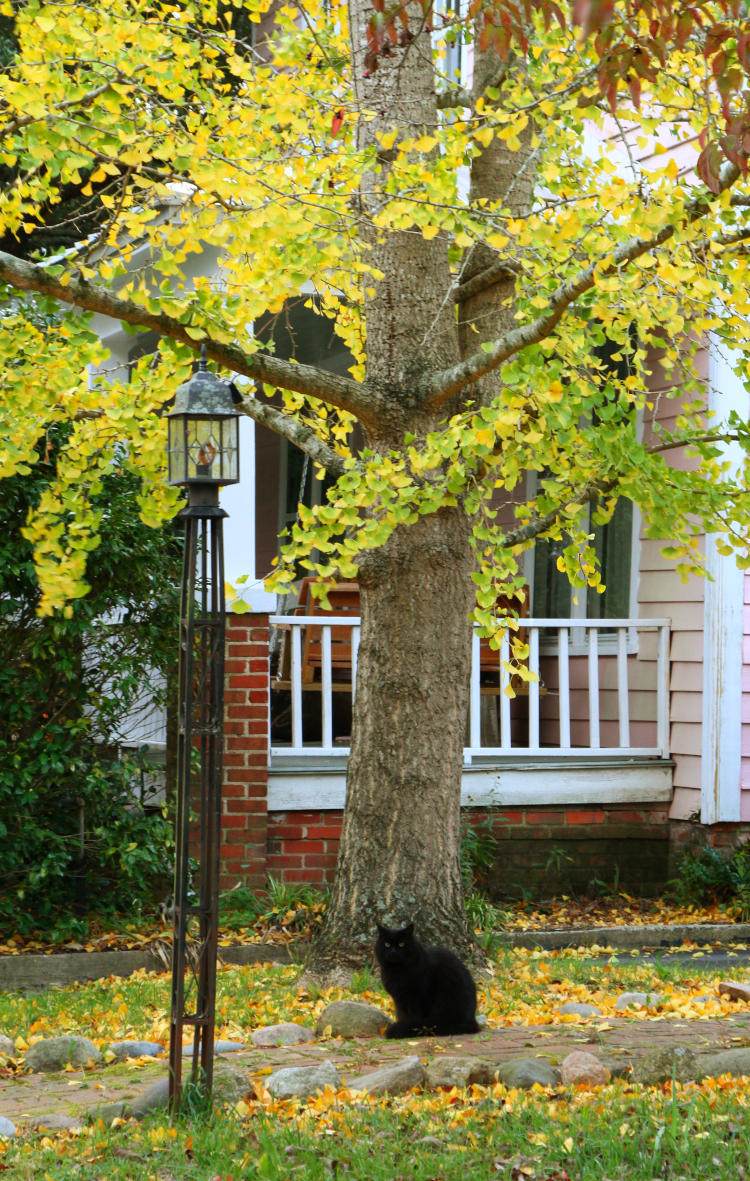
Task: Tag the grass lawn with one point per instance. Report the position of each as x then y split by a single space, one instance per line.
525 986
571 1135
621 1131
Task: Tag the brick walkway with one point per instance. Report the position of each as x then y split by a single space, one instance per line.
615 1041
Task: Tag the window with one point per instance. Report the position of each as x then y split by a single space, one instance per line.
554 598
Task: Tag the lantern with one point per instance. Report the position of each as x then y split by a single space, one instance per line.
203 432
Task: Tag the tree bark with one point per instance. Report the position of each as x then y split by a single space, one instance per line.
399 855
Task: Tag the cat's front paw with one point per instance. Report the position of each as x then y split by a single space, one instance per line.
397 1029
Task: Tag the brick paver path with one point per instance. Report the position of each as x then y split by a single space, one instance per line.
620 1041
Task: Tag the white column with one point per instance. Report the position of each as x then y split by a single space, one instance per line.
239 527
722 635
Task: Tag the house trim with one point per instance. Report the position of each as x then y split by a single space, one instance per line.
533 783
721 749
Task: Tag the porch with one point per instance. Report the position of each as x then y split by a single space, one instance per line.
590 726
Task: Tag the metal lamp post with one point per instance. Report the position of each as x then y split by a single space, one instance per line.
203 434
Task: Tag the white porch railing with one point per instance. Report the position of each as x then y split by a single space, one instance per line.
600 687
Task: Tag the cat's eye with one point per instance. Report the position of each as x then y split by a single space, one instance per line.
402 943
387 944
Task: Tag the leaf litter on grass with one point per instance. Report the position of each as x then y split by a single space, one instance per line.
509 1131
621 1132
292 913
526 987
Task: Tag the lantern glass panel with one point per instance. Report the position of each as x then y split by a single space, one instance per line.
209 450
176 450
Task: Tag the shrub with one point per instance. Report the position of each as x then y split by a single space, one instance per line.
72 827
710 877
479 847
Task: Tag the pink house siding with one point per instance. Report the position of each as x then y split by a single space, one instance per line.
661 592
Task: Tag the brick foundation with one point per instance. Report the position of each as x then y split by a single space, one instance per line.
545 850
689 836
579 850
303 846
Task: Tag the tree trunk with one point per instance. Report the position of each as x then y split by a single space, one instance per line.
399 857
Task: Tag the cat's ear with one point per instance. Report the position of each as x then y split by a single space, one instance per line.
381 930
409 930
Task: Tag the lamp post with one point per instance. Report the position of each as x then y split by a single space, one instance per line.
203 448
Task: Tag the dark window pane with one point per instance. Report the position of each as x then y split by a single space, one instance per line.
551 587
613 544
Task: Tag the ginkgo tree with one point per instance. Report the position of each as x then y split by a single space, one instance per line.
479 243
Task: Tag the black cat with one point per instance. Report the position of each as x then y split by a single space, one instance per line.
432 990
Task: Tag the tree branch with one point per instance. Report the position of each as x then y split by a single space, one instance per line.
594 489
538 524
434 391
504 268
296 432
336 390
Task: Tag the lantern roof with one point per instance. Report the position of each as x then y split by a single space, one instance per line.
203 394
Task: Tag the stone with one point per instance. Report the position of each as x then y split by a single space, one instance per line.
734 1062
634 1000
659 1066
230 1083
580 1009
617 1067
735 990
351 1019
54 1053
135 1049
154 1098
524 1072
391 1080
220 1047
580 1067
53 1122
7 1046
106 1112
7 1129
452 1070
288 1033
302 1081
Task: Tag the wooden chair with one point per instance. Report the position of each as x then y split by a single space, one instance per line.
344 600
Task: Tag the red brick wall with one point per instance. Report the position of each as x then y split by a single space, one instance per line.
576 821
580 850
245 757
303 846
